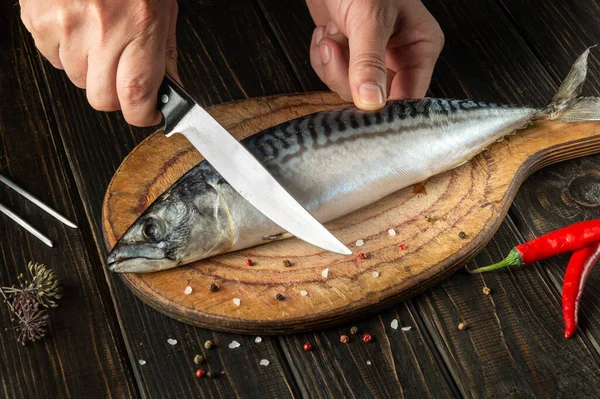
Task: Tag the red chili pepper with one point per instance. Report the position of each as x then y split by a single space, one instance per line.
580 265
567 239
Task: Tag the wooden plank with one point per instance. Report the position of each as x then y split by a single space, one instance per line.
219 61
485 59
83 354
568 192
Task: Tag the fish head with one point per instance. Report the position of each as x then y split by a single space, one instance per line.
183 225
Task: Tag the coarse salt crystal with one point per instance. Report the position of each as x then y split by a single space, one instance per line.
264 362
258 340
375 274
234 344
394 324
141 362
188 290
304 293
360 243
172 341
406 328
236 301
325 273
392 232
368 362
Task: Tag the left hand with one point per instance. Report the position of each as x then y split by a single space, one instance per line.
371 50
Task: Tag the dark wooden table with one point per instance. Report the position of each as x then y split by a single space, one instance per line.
54 144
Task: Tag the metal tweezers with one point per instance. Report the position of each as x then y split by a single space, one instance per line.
40 204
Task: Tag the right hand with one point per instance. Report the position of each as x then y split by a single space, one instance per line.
118 50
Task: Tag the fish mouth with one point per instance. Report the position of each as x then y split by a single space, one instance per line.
139 259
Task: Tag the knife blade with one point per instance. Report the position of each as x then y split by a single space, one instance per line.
239 167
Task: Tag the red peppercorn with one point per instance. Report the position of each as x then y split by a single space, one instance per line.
249 262
200 373
222 372
307 346
344 339
367 338
402 247
362 256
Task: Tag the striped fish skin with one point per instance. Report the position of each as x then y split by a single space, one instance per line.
332 162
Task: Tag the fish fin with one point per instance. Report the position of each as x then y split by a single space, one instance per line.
279 236
419 188
568 105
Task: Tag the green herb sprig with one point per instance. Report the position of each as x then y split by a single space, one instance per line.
28 302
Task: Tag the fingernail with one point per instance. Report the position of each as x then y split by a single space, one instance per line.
325 52
332 28
370 94
319 34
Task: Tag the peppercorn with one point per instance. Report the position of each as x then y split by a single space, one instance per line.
367 338
279 297
462 326
214 287
200 373
462 235
307 346
344 339
198 359
401 247
222 372
353 330
362 256
287 263
249 261
208 344
486 290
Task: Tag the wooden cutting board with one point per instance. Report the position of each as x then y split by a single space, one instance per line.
427 220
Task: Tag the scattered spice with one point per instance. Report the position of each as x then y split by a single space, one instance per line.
367 338
375 274
344 339
200 373
487 291
223 372
325 273
249 261
462 326
237 301
25 301
431 218
406 328
392 232
353 330
394 324
264 362
234 344
208 344
287 263
258 340
141 362
214 287
362 256
462 235
307 346
360 243
172 341
304 293
368 362
198 359
402 247
210 374
188 290
279 297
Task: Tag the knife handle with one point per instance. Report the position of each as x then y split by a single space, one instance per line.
173 102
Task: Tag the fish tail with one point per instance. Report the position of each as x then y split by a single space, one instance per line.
568 105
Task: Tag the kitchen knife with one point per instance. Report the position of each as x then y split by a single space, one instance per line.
241 170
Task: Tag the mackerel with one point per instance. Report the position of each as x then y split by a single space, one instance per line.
333 163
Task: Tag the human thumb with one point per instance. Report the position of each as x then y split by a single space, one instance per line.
367 67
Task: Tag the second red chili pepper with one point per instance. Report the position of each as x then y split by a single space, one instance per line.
580 265
567 239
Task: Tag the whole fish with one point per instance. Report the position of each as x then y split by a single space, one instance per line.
333 163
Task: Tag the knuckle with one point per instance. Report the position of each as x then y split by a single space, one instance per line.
171 53
369 62
102 102
143 16
66 21
134 92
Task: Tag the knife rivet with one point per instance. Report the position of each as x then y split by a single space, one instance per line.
164 99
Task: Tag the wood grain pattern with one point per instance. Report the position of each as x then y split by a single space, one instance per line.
472 199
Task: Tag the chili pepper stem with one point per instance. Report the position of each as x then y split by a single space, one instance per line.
513 259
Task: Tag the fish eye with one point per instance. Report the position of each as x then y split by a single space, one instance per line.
151 229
